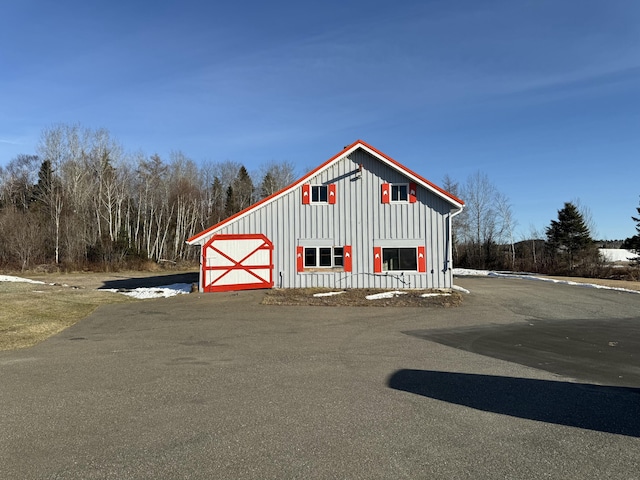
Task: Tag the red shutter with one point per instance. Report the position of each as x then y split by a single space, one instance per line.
332 193
413 192
346 261
386 193
306 194
377 259
300 259
422 260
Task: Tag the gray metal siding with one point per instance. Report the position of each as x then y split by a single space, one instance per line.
358 219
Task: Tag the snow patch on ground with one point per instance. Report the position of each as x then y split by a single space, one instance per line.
379 296
523 276
613 255
425 295
183 288
9 278
327 294
460 289
141 293
163 291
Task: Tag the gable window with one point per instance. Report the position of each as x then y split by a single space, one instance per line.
405 259
399 193
319 193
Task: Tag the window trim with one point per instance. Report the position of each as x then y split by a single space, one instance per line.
415 251
318 256
308 190
313 187
379 255
397 187
388 188
340 262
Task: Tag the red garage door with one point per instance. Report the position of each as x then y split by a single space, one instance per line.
237 262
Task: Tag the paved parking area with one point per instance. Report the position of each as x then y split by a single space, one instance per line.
218 386
603 351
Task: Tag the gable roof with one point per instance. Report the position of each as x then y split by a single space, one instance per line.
452 199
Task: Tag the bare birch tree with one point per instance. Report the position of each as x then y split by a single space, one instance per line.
51 149
507 224
276 176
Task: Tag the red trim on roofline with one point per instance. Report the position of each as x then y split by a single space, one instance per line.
313 172
410 172
273 195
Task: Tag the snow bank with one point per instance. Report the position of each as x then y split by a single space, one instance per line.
164 291
379 296
327 294
460 289
613 255
8 278
488 273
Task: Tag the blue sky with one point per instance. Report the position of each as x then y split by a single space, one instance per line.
541 96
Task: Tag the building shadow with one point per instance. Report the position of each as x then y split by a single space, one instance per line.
592 407
128 283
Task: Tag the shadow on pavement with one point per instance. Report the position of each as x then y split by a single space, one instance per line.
593 407
155 281
601 351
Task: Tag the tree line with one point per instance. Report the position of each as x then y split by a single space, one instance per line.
484 236
82 202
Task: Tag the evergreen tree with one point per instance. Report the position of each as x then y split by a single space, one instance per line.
239 193
243 189
569 237
637 220
635 240
42 189
268 186
230 205
217 201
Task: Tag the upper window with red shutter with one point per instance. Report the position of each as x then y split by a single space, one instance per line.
399 192
319 193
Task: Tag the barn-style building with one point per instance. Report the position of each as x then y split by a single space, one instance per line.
359 220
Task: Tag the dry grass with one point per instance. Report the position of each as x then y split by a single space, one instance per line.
357 298
31 313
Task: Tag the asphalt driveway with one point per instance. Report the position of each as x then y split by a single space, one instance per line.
218 386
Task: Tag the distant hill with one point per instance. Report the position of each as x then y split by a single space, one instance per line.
612 244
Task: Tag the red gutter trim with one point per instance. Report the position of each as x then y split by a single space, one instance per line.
313 172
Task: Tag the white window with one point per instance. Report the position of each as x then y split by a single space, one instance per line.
400 192
319 193
323 257
405 259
